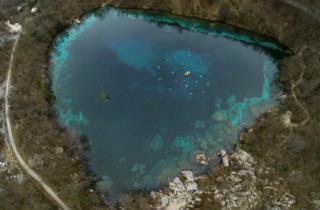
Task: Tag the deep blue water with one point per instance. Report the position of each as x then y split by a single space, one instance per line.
119 78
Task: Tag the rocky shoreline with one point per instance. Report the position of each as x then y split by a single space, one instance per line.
268 166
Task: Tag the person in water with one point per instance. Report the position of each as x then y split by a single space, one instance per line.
104 97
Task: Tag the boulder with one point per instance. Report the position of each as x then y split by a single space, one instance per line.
238 188
34 10
104 184
14 28
182 195
156 143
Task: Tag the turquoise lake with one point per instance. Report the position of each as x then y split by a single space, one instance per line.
148 93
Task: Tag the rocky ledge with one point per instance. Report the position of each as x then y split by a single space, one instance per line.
236 188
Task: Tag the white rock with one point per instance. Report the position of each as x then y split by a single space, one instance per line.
197 199
34 10
286 201
244 157
222 153
238 189
77 21
165 201
177 205
225 160
177 186
19 8
286 120
202 159
182 195
191 186
188 175
14 28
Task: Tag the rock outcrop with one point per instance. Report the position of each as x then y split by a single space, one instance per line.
237 189
182 194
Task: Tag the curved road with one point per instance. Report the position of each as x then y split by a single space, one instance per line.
12 144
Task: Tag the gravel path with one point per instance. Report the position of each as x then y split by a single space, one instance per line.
12 144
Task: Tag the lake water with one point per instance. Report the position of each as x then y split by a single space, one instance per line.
148 93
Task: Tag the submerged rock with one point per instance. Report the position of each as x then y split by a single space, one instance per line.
163 169
219 116
185 143
190 183
199 124
203 144
225 160
138 168
104 184
156 143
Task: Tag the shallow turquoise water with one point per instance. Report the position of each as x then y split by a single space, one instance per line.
148 93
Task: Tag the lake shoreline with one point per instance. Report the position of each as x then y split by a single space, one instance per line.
236 111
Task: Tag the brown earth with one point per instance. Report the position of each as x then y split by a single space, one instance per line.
287 155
